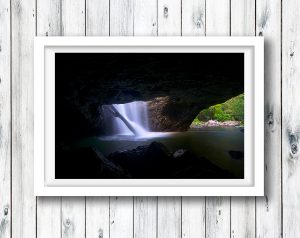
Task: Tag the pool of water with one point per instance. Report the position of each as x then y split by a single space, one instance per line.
212 143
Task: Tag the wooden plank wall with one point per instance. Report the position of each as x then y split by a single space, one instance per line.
274 215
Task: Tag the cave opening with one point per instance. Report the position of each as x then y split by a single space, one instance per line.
131 116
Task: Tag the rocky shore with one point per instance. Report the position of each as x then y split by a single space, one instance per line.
214 123
144 162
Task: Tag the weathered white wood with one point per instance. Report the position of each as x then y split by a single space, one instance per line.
217 217
48 208
268 208
73 17
145 208
290 117
23 200
242 217
218 208
242 208
169 17
193 17
73 208
145 217
73 217
242 17
193 217
169 217
121 217
218 17
193 208
121 17
48 217
145 18
97 17
48 18
97 217
5 120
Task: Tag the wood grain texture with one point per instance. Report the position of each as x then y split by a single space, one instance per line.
242 217
20 216
121 217
145 17
193 217
242 18
5 121
48 19
97 217
73 17
48 209
268 208
97 17
169 217
218 17
73 217
169 17
23 200
218 208
217 217
121 17
193 17
242 208
48 222
145 217
290 117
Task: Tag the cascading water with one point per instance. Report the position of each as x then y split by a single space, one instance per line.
134 121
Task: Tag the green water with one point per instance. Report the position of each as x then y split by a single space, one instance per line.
212 143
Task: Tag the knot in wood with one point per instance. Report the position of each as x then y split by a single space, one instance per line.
270 120
294 148
100 233
293 139
68 222
5 210
198 22
166 12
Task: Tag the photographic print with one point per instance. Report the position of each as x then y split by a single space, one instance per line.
149 115
157 116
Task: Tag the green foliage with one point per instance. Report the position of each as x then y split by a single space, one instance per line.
231 110
196 122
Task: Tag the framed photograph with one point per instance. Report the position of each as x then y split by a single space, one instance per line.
149 116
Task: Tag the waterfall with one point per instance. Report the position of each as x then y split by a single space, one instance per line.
135 114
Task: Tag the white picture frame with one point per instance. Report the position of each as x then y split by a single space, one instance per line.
45 183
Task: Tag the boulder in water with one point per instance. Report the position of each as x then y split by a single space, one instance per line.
187 165
86 163
144 161
155 161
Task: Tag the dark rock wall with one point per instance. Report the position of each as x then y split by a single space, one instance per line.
171 114
178 85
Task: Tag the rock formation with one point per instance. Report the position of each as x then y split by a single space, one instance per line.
177 88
